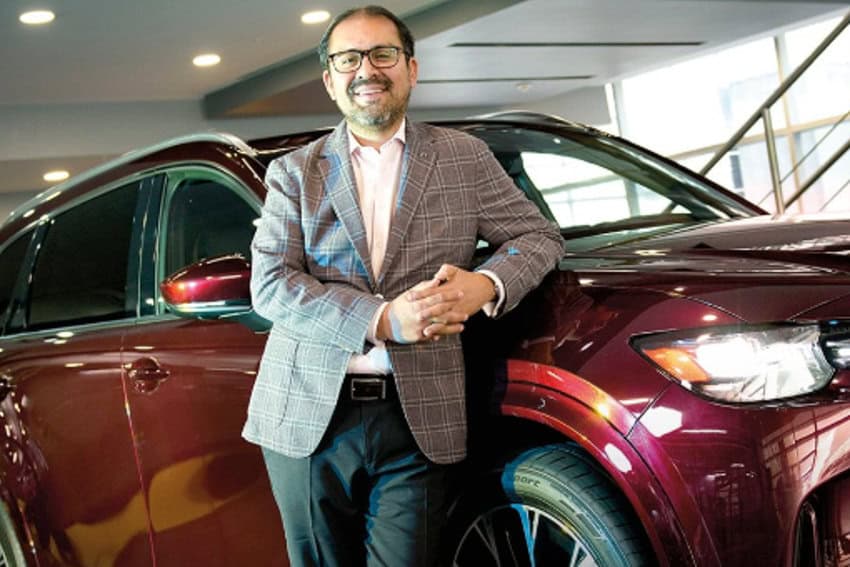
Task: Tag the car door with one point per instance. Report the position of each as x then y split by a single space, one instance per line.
207 489
68 457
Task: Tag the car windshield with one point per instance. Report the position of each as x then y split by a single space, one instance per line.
602 191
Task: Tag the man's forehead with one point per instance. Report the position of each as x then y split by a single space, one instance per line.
363 31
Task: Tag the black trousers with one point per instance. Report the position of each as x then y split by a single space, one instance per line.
366 497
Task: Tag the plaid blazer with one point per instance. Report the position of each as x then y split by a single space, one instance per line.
312 279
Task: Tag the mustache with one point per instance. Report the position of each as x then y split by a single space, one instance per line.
382 82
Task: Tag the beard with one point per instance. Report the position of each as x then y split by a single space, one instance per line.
379 115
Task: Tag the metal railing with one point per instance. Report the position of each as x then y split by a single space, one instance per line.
763 114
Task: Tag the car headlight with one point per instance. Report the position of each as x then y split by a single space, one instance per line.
742 364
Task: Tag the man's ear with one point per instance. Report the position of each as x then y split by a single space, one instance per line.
413 71
328 81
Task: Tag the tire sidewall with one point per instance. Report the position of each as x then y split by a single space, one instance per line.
525 480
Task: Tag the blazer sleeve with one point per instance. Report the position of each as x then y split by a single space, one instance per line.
528 246
284 292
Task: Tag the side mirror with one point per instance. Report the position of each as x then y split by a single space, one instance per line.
213 288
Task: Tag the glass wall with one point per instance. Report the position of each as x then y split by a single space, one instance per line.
688 110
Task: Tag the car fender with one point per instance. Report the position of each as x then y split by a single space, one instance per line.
583 413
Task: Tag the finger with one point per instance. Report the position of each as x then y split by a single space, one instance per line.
437 303
423 289
445 273
436 330
446 317
447 311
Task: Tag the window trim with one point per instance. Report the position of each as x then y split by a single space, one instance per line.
18 293
43 231
174 176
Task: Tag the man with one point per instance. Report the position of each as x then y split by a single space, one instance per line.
360 263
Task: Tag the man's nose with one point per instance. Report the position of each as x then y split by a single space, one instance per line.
366 69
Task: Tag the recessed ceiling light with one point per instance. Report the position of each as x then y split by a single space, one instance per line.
315 17
37 17
56 175
206 60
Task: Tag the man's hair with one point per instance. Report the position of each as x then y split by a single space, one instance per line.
373 11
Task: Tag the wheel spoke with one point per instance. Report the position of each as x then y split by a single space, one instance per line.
517 535
529 519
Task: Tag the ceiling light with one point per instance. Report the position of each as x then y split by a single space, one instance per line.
315 17
523 87
56 175
37 17
206 60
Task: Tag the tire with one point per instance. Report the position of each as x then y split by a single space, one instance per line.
548 506
11 553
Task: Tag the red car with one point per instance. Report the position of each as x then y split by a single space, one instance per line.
676 393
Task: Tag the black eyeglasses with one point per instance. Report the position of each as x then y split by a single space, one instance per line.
381 56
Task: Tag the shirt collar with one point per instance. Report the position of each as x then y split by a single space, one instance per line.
354 145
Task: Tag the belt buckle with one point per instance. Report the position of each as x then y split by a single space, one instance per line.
371 393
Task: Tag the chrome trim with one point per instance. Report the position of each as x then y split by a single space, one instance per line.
132 155
77 329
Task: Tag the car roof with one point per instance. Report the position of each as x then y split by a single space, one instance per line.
268 148
129 157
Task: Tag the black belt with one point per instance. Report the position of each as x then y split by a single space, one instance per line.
368 387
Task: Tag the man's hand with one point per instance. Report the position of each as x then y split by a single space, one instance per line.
424 312
476 289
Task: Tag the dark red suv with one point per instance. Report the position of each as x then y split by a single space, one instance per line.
677 393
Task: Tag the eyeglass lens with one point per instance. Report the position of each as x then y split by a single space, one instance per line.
380 57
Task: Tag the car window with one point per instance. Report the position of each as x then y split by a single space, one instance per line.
11 259
80 273
205 217
603 191
580 192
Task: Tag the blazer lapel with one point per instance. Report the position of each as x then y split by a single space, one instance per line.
341 189
418 163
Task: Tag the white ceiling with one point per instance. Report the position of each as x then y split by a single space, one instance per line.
111 75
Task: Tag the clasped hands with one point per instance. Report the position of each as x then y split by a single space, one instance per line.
435 307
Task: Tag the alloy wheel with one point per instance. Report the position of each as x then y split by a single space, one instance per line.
520 535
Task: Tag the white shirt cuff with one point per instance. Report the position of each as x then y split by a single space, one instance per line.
372 333
492 308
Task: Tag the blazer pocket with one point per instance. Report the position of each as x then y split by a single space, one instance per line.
271 392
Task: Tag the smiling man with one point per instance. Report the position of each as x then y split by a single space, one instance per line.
361 261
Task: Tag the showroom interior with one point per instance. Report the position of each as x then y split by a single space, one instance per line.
201 276
680 77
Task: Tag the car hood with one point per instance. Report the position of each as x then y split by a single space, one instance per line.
793 263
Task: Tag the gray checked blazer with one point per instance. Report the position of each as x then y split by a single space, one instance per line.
312 279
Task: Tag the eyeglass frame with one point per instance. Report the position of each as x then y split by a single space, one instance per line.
364 53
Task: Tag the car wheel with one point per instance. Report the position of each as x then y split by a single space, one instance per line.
546 506
11 554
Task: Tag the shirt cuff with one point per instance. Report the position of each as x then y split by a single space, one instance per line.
492 308
372 333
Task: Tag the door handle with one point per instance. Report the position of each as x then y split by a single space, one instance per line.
146 374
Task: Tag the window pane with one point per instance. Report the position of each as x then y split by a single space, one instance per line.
823 91
10 266
700 102
206 218
81 269
832 191
746 171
